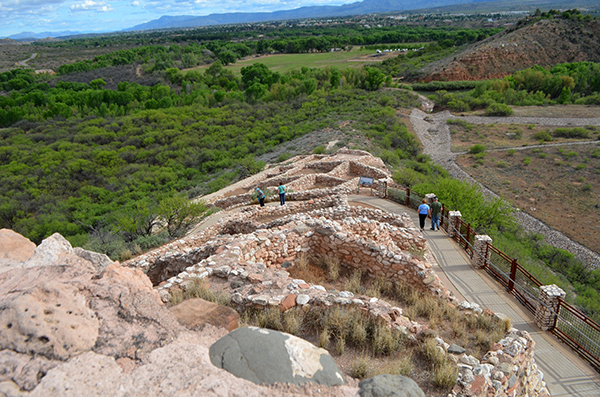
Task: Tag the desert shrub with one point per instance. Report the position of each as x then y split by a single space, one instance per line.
476 149
463 123
319 150
409 177
527 160
498 109
577 132
511 152
543 136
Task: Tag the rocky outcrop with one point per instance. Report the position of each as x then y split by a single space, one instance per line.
68 329
265 356
545 43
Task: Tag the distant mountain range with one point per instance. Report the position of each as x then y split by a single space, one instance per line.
363 7
358 8
28 36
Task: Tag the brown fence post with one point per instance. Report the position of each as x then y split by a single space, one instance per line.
408 197
442 212
468 235
550 296
513 275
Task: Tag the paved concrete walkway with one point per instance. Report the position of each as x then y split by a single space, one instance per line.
565 373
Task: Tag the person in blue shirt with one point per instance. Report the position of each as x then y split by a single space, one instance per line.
261 197
281 193
423 211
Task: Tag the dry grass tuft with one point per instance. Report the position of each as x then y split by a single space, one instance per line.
354 283
360 368
400 366
292 321
444 375
198 289
332 264
324 336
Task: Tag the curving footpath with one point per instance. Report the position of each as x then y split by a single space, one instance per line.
565 373
434 134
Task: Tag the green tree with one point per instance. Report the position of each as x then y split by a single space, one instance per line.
373 79
180 214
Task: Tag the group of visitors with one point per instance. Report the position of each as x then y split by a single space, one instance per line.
261 196
432 211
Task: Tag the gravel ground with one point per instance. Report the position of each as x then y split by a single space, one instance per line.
434 134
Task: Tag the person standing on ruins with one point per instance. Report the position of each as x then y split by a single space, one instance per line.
261 197
436 207
423 211
281 193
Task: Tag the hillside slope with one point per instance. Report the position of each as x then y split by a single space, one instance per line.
545 42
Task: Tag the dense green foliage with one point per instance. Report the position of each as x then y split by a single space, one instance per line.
93 169
409 64
444 85
494 218
565 83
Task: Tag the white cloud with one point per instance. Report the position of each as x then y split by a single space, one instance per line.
90 5
135 3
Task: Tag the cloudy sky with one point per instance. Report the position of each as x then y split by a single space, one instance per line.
86 16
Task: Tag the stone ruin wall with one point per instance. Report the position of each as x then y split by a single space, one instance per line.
347 233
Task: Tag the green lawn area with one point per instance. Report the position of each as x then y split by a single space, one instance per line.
284 62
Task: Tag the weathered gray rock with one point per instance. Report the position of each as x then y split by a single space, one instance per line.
49 251
265 356
456 349
99 261
389 386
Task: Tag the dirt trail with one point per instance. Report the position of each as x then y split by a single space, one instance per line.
434 133
24 63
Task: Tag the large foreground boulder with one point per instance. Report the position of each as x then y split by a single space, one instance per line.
265 356
389 386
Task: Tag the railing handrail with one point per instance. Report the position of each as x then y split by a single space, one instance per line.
522 293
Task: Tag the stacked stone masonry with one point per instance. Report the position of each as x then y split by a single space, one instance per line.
332 174
252 249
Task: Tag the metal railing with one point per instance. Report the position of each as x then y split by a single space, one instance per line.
571 326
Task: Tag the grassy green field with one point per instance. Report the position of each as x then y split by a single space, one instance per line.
285 62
